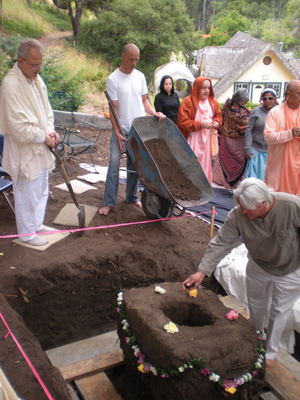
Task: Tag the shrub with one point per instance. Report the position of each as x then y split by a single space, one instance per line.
8 53
54 74
56 77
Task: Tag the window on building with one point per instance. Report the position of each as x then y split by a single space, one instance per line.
267 60
275 86
285 86
241 85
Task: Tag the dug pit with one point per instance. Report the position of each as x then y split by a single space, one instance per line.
69 291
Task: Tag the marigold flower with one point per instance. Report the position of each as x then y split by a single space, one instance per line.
231 390
193 293
141 369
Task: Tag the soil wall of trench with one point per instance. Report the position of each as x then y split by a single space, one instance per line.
68 292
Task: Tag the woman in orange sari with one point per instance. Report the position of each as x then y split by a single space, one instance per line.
198 117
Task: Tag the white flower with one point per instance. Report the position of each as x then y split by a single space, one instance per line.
260 359
125 324
171 328
257 364
153 370
181 369
160 290
214 377
249 376
120 296
242 381
136 352
245 378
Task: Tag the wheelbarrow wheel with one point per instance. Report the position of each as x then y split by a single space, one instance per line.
162 205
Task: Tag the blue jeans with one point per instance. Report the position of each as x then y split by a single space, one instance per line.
112 178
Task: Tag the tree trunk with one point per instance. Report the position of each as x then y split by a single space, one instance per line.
203 16
75 20
188 7
2 25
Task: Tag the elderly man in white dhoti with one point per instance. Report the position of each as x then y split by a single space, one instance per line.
26 120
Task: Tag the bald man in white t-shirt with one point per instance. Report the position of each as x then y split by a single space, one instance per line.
128 91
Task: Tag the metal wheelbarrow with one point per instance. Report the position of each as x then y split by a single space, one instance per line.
157 199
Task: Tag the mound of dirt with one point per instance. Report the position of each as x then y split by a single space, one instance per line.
69 291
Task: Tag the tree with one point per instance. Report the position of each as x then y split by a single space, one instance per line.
292 20
201 11
75 10
226 27
156 27
1 7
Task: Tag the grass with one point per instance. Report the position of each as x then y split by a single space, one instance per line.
22 20
42 18
93 71
58 19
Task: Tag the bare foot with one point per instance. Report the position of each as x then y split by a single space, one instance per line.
104 210
269 364
138 204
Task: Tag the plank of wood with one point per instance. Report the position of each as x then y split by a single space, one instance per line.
97 387
92 365
289 362
72 393
244 314
282 382
268 396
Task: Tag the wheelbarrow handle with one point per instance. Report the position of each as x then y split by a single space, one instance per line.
115 122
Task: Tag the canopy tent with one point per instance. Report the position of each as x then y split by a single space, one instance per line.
175 70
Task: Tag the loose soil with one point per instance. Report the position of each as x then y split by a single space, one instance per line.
180 186
69 291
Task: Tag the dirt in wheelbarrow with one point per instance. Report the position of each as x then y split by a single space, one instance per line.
179 185
69 292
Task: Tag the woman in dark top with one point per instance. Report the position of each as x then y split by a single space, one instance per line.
167 101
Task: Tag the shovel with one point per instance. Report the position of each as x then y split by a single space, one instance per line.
60 164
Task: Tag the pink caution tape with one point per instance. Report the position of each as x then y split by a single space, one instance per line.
104 226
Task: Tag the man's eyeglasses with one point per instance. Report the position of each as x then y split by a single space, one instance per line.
268 98
35 67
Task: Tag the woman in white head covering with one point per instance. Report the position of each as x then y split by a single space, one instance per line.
256 149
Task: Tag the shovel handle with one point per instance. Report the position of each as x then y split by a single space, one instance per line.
60 165
62 169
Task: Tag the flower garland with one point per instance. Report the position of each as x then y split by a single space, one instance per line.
230 385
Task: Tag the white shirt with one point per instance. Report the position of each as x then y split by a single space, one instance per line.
127 90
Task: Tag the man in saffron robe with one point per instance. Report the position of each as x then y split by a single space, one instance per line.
282 133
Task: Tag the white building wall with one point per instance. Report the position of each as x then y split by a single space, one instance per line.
260 75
